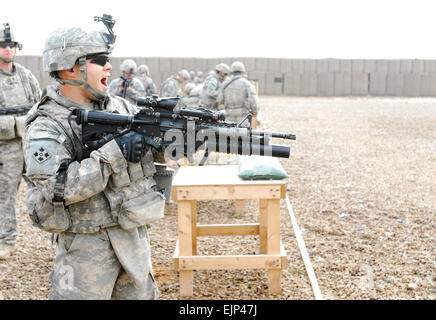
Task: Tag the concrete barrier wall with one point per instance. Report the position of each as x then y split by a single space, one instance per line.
296 77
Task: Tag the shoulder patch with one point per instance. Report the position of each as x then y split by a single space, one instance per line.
41 159
41 155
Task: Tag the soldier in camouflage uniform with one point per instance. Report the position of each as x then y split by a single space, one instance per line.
238 96
188 100
134 88
198 78
174 86
147 82
212 85
191 77
96 203
19 90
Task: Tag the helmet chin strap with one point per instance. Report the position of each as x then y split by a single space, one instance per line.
99 95
7 60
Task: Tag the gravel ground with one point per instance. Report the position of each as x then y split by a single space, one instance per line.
362 183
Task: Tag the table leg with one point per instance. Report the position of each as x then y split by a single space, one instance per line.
184 209
273 242
263 223
194 226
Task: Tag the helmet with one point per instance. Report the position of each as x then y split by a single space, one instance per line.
188 88
128 66
199 74
7 36
65 46
185 74
222 67
192 74
143 69
237 66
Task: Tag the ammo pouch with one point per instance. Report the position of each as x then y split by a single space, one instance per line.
51 217
164 180
7 127
20 125
142 210
45 215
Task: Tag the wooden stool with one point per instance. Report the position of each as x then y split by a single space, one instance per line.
192 184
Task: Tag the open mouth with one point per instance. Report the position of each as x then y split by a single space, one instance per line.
104 81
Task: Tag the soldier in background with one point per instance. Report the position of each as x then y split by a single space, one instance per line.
212 85
191 77
174 86
97 203
127 86
238 96
188 100
19 90
198 78
147 82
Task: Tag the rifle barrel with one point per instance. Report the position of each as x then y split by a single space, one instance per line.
289 136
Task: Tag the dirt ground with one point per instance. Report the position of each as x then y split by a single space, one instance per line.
362 183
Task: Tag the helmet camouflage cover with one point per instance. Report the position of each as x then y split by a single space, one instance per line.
143 68
7 36
64 46
128 66
237 66
185 74
222 67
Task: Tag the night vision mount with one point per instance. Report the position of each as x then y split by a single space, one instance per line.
7 31
109 23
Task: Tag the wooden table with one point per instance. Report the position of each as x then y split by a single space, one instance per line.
194 183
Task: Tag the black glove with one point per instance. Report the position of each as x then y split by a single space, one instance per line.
132 146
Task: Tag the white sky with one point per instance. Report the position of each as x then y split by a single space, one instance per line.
359 29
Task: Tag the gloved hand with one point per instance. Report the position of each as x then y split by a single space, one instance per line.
132 146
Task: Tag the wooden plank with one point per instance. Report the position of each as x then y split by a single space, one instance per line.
194 226
186 278
227 229
239 206
230 262
246 192
273 226
263 222
176 256
215 175
185 227
186 281
274 282
273 243
304 254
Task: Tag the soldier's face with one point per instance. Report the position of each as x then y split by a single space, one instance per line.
222 75
98 75
7 50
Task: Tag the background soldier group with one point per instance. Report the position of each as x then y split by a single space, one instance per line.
225 88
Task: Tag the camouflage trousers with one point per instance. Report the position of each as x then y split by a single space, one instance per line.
11 169
110 264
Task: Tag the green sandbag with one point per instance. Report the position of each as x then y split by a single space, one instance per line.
260 168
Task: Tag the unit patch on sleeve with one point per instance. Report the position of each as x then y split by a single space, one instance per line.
41 155
41 159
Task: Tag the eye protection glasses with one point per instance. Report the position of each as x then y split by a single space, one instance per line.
99 58
8 44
